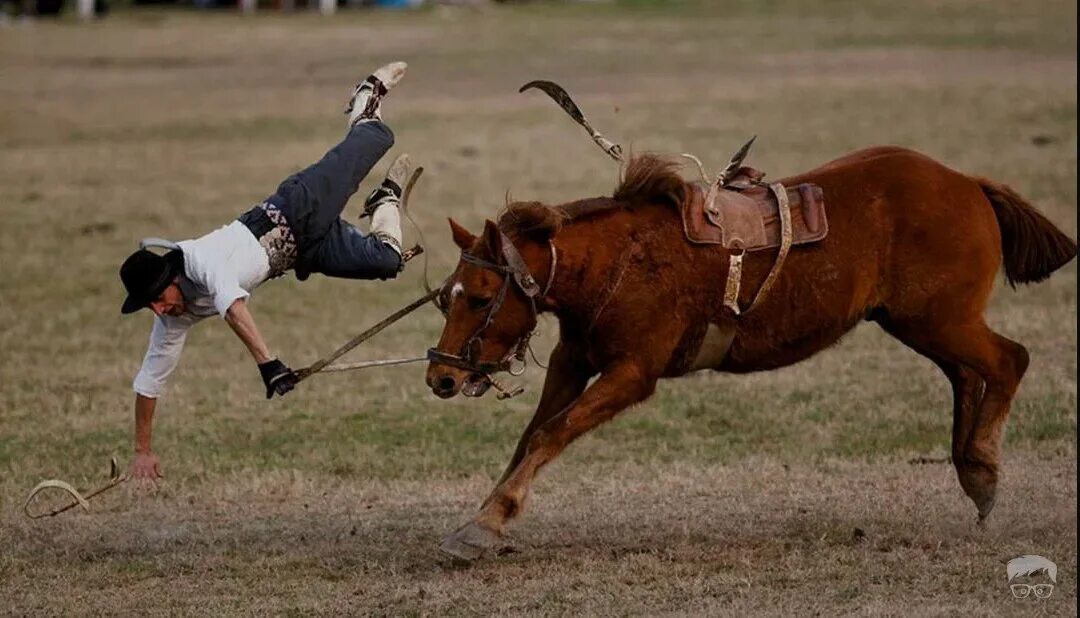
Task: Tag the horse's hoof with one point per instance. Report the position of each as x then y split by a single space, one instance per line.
980 484
985 507
471 541
984 501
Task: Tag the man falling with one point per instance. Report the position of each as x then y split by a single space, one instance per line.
299 227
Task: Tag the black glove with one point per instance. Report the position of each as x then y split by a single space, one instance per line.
277 377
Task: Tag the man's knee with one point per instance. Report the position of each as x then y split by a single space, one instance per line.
379 262
347 253
389 262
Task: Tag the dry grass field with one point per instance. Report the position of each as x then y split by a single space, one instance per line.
820 489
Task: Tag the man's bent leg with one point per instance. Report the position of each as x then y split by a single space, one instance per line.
348 253
314 198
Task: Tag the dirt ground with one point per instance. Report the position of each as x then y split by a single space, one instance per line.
819 489
755 537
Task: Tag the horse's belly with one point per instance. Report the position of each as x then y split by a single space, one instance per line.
752 351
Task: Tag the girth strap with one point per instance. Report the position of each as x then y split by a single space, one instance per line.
734 280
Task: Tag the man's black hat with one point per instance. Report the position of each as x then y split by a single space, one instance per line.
146 275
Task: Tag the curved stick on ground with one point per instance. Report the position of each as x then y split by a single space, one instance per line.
115 478
560 96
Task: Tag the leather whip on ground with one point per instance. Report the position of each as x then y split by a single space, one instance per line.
115 478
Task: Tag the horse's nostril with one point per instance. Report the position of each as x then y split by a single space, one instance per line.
446 383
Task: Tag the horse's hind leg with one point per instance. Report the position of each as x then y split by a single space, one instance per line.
985 369
967 387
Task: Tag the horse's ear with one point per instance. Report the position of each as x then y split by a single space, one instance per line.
462 237
492 237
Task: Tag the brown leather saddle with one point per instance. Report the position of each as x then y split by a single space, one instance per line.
744 214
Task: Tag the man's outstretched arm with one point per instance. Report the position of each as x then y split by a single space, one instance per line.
277 377
166 343
145 465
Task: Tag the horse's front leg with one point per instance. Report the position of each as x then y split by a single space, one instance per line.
619 386
567 375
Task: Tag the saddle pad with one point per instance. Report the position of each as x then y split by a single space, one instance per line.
749 218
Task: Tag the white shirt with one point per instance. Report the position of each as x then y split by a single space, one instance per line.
219 268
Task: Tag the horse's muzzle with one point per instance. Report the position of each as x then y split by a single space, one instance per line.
447 382
449 374
443 382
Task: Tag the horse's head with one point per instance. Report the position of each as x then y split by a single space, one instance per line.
490 305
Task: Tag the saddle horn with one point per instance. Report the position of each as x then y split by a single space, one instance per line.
736 162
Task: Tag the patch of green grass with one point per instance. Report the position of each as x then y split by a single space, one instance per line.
6 451
878 437
1048 418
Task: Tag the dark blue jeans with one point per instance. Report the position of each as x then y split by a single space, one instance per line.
313 199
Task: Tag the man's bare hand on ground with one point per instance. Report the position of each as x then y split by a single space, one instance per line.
145 469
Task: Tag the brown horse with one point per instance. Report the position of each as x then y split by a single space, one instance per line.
913 246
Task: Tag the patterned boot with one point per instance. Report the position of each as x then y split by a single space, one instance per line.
389 192
363 104
383 203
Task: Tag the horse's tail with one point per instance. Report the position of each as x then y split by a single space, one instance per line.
1032 246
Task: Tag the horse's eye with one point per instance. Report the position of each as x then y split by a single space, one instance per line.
477 303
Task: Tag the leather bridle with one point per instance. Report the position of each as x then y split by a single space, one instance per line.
514 270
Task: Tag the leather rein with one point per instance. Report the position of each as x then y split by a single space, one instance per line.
514 270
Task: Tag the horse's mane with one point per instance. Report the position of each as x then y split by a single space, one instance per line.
648 179
532 219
